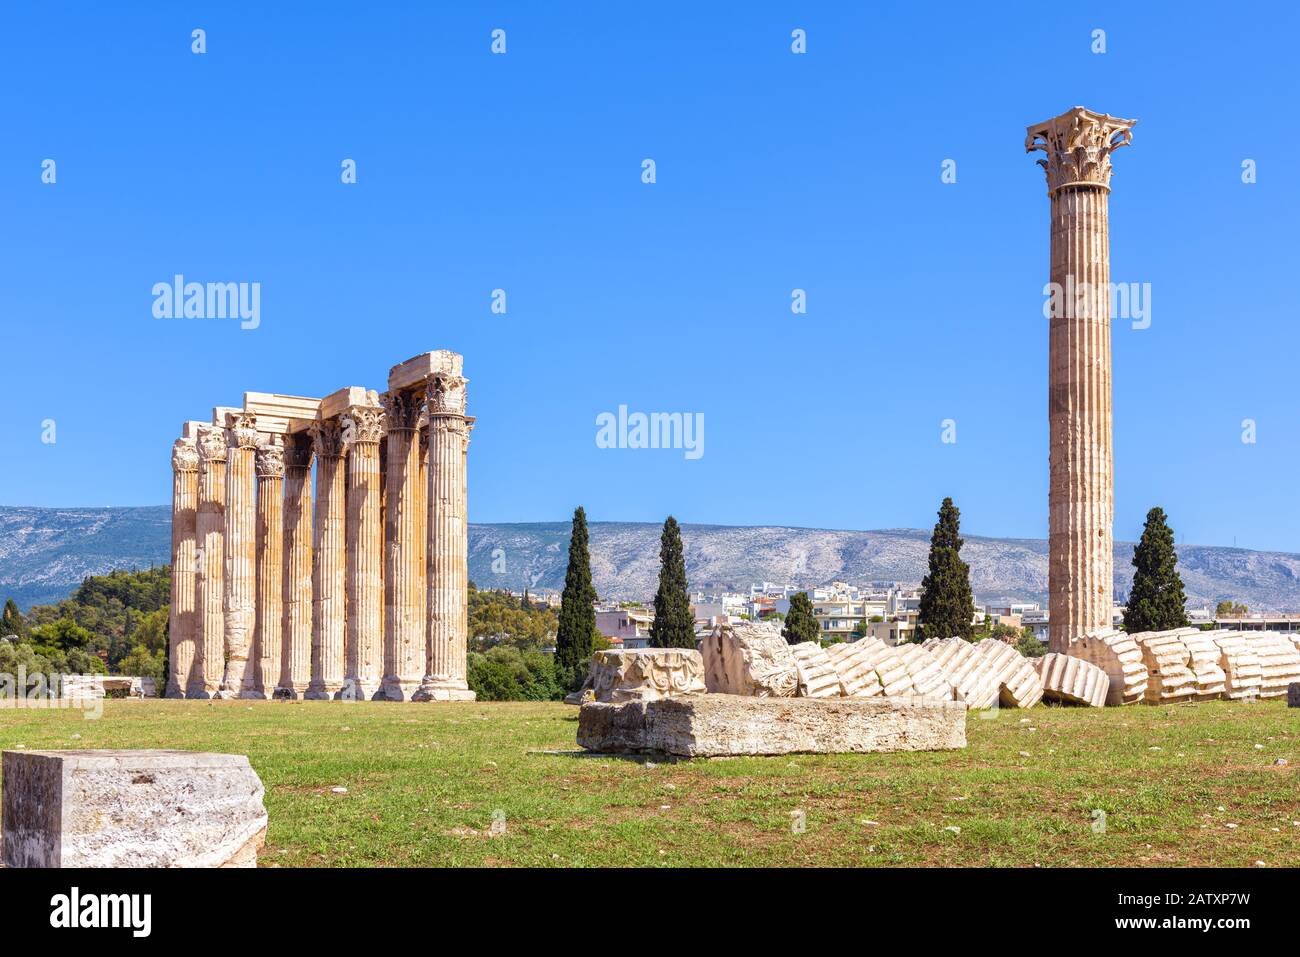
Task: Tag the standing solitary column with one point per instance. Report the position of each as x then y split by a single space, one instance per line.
270 565
241 554
210 523
180 630
329 585
1081 498
365 543
403 594
448 550
295 656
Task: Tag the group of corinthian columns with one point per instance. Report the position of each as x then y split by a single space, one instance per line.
357 594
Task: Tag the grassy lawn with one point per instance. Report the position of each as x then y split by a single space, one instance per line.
423 783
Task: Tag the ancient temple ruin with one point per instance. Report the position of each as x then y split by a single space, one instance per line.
358 593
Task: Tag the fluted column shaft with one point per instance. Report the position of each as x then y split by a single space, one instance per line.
329 582
365 545
1081 497
210 524
181 628
296 627
403 591
270 566
448 544
241 555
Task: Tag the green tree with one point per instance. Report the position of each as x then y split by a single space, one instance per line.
800 623
1029 645
861 630
1224 609
63 635
674 626
12 621
1156 601
947 607
577 624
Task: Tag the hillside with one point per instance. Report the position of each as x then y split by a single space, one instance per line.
45 553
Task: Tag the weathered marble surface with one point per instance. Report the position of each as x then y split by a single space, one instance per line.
855 669
131 809
1169 675
646 674
747 658
1117 654
1019 684
817 676
1240 665
1072 680
716 725
972 676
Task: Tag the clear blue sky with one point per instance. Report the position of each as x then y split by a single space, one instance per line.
775 171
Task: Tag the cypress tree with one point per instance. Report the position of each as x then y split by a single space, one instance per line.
947 606
12 621
800 623
674 626
577 625
1156 601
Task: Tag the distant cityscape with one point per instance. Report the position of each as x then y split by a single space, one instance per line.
844 612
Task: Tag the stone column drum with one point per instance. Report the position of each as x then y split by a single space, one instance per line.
296 613
270 566
329 585
241 554
363 648
1078 145
180 630
448 548
209 530
403 593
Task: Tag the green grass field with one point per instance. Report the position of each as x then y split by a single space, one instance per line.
424 781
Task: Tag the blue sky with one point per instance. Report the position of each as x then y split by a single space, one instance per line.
774 171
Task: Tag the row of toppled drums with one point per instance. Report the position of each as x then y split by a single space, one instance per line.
1111 668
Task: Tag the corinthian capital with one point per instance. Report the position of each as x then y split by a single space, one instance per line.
402 410
363 423
1078 144
185 455
242 427
445 394
327 438
211 443
297 451
270 459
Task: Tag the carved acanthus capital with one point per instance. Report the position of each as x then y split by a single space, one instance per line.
363 423
185 455
445 394
211 443
242 427
297 451
327 438
1078 144
402 410
270 459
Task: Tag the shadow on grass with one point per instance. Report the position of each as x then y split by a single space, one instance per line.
652 757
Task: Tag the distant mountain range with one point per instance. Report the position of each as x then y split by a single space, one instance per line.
45 553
